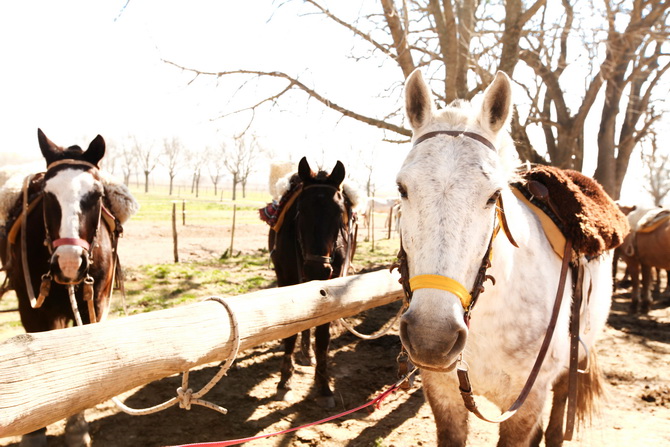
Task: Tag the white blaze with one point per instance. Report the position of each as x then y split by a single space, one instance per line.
69 187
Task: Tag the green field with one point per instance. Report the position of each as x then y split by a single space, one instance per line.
161 286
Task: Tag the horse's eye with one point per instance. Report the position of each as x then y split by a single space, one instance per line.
402 191
493 199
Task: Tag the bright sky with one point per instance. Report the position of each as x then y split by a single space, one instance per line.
80 68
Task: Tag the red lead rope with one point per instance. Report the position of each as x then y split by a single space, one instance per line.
377 401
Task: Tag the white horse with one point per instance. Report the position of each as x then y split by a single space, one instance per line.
450 185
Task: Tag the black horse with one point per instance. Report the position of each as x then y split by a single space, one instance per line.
62 242
315 240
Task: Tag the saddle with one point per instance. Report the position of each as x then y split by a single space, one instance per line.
273 213
577 206
652 220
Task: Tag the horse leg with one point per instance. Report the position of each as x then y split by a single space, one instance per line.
635 291
451 416
304 356
522 429
284 386
657 281
646 288
76 431
322 342
38 438
554 433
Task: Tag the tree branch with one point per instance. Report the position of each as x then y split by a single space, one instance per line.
295 83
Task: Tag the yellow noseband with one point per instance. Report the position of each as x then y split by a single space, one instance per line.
441 283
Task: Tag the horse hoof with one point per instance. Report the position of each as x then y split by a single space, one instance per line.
326 401
303 360
284 395
34 440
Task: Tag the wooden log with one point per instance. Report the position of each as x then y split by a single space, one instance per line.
45 377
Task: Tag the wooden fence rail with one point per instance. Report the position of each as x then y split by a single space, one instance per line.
45 377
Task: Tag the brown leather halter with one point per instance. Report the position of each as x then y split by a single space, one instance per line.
86 245
461 369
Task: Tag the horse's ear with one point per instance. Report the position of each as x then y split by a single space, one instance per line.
49 150
337 175
304 171
497 104
95 151
418 100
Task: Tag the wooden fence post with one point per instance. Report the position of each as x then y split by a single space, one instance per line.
174 232
232 230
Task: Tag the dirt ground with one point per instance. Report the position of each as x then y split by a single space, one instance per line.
634 353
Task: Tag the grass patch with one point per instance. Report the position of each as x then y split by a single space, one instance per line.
162 286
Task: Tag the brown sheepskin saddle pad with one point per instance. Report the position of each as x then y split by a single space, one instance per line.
579 207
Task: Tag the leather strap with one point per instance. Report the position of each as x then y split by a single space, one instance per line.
455 133
34 302
71 241
578 277
464 380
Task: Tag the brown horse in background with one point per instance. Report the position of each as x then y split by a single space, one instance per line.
62 243
314 241
647 246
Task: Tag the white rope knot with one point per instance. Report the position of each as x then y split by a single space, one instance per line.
184 397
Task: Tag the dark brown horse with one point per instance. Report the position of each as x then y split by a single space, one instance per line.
62 245
315 241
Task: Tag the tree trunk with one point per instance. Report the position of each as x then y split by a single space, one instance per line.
146 181
235 182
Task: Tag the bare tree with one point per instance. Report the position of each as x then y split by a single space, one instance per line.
656 171
195 159
172 155
240 159
128 161
147 157
461 44
111 160
216 164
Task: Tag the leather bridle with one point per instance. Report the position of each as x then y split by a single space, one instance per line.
347 220
440 282
468 301
53 244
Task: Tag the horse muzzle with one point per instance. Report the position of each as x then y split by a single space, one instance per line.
432 343
69 263
317 271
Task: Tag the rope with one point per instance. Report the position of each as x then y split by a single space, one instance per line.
185 395
383 331
377 401
73 303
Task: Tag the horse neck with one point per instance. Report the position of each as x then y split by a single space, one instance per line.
522 274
